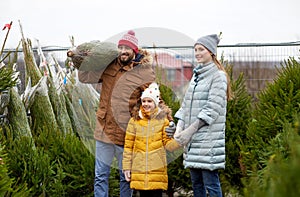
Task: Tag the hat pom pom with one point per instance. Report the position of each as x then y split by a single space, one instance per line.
153 86
131 32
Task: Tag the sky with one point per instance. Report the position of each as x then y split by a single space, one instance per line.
52 22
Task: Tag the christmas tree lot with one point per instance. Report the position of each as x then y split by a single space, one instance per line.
46 133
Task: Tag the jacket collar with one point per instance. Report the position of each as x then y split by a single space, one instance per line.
204 68
137 60
152 115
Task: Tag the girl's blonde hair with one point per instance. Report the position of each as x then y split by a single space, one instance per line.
221 67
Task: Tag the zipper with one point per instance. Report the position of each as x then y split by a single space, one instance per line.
147 146
196 83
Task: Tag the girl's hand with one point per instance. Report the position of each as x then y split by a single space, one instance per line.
127 175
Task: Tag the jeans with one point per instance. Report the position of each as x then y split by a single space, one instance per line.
205 181
105 153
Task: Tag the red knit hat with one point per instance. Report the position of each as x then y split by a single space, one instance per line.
130 40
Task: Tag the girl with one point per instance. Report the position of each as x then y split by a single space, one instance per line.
146 141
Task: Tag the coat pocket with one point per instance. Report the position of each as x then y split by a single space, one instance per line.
134 78
100 125
138 162
157 160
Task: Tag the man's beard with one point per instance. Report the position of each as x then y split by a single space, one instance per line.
127 60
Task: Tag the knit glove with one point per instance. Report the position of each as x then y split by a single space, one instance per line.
179 127
185 136
170 130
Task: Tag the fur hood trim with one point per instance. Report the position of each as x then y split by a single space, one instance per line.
146 58
164 112
160 115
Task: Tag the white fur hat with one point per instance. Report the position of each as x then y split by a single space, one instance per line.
152 92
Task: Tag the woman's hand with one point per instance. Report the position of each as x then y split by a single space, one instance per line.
184 137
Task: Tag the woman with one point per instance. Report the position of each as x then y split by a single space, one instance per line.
202 117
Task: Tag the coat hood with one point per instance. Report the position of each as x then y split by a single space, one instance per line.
163 112
144 58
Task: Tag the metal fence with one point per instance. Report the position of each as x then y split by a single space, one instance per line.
257 61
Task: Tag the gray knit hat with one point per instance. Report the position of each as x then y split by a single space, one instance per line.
210 42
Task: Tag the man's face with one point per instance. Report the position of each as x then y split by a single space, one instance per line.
126 54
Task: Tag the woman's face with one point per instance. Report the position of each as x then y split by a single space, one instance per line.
202 55
148 104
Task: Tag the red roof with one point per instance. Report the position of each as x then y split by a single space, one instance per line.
167 59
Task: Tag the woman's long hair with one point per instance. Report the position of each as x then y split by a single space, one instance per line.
221 67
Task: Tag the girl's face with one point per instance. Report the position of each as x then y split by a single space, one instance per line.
202 55
148 104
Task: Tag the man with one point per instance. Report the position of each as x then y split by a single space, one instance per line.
123 81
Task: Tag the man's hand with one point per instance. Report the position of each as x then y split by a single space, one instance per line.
127 175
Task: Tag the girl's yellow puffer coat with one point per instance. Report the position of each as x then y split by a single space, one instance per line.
144 154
